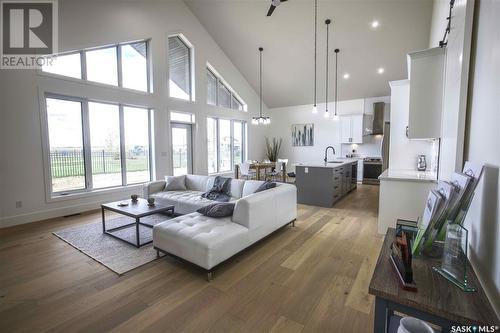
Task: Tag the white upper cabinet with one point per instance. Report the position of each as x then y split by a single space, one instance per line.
426 73
357 128
345 129
352 128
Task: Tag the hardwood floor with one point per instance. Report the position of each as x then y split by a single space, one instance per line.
311 278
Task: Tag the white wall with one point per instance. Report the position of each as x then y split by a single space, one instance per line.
326 131
84 24
440 11
456 79
482 146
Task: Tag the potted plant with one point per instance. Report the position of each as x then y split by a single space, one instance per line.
273 148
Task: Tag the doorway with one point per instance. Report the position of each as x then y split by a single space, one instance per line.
182 149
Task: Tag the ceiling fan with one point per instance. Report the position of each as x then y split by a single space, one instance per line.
274 4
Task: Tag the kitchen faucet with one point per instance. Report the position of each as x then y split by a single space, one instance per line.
326 152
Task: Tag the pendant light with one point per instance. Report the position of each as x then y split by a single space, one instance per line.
327 22
260 119
315 107
335 116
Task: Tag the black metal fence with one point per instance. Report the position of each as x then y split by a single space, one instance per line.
70 163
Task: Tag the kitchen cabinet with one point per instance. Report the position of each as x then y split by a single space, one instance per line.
426 73
403 152
402 195
352 128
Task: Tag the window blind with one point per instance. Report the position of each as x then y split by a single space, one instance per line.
224 96
179 63
211 88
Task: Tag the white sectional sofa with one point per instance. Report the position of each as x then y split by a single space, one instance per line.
206 241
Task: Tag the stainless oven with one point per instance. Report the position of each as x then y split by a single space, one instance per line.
372 168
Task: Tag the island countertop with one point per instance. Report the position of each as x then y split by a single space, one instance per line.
338 163
408 175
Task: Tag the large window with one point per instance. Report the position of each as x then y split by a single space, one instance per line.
123 65
96 145
67 65
102 66
212 145
179 65
226 144
104 125
219 94
64 123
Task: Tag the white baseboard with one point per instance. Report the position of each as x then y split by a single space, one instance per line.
11 221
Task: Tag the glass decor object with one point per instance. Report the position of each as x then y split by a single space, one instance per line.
454 262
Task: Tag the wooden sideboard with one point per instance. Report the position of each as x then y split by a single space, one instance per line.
437 300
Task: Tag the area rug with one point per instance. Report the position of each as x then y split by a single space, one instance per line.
116 255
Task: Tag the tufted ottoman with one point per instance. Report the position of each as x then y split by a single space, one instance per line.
201 240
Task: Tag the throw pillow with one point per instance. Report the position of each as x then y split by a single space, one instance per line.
217 209
175 183
265 186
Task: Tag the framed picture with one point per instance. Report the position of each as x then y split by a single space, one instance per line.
302 135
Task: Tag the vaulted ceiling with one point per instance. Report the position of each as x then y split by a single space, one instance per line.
241 26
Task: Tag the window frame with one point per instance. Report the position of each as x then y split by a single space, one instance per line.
243 143
209 72
87 148
191 75
232 94
118 46
191 115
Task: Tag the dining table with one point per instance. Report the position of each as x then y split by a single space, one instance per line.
258 167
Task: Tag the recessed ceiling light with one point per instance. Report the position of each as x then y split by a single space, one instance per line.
380 70
346 75
375 24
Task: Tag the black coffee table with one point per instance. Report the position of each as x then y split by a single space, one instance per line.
136 210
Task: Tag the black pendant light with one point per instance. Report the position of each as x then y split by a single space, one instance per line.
327 22
315 107
260 119
336 81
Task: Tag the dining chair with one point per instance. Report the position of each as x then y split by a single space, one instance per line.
278 170
245 171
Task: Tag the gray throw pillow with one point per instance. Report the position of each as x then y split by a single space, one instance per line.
175 183
265 186
222 209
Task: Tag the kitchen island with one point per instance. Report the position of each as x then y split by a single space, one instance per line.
323 184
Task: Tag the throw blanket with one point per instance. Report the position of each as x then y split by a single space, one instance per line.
220 190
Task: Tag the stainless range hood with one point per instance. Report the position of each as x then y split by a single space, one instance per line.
378 118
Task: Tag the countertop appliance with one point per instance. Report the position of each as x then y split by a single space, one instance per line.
372 169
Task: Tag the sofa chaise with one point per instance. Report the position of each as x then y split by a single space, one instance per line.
206 241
